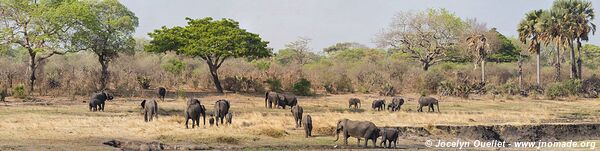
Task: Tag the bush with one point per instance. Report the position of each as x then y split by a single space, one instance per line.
144 82
274 85
242 84
173 65
387 90
590 87
19 91
431 81
302 87
563 89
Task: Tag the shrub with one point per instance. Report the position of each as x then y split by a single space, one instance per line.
144 82
274 85
431 81
173 65
590 87
387 90
563 89
344 84
19 91
302 87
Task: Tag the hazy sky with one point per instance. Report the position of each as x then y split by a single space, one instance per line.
327 22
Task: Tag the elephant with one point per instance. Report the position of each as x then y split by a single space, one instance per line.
162 92
194 111
211 121
297 113
150 110
357 129
285 99
354 102
397 102
388 136
378 105
228 118
270 99
307 126
221 109
3 95
97 101
428 101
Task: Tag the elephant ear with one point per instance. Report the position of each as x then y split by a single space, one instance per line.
143 104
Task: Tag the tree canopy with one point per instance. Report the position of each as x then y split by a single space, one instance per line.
212 40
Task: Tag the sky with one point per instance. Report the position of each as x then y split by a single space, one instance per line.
327 22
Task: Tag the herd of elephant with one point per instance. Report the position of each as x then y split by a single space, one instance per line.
348 128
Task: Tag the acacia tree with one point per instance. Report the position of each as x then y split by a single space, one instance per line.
426 36
107 30
39 27
214 41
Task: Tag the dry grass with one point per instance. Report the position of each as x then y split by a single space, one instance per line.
67 124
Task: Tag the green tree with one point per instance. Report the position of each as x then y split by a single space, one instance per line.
107 30
427 36
505 50
212 40
530 33
39 27
591 56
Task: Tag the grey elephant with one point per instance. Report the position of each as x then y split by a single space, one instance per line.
378 105
193 111
228 118
3 95
221 109
388 136
162 92
211 121
429 102
150 109
98 100
297 113
357 129
396 104
354 102
287 100
307 126
271 98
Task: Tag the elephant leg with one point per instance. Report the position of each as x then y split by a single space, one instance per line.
367 136
431 108
346 139
358 141
145 116
186 122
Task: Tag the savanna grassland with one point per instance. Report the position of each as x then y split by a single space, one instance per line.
57 123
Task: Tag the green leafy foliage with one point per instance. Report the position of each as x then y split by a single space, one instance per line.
19 91
302 87
563 89
173 66
274 85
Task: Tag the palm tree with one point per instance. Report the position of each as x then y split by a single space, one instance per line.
527 31
478 44
552 31
563 13
583 16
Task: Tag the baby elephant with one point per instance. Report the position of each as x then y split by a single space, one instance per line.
211 121
307 126
396 104
97 101
228 118
297 113
150 110
389 136
378 105
354 102
428 101
162 92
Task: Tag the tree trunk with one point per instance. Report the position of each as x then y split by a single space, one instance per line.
557 64
573 74
32 67
520 64
537 63
104 73
482 70
215 76
579 61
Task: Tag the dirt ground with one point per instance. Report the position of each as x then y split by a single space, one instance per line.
65 123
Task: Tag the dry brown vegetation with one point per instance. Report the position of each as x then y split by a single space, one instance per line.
65 123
